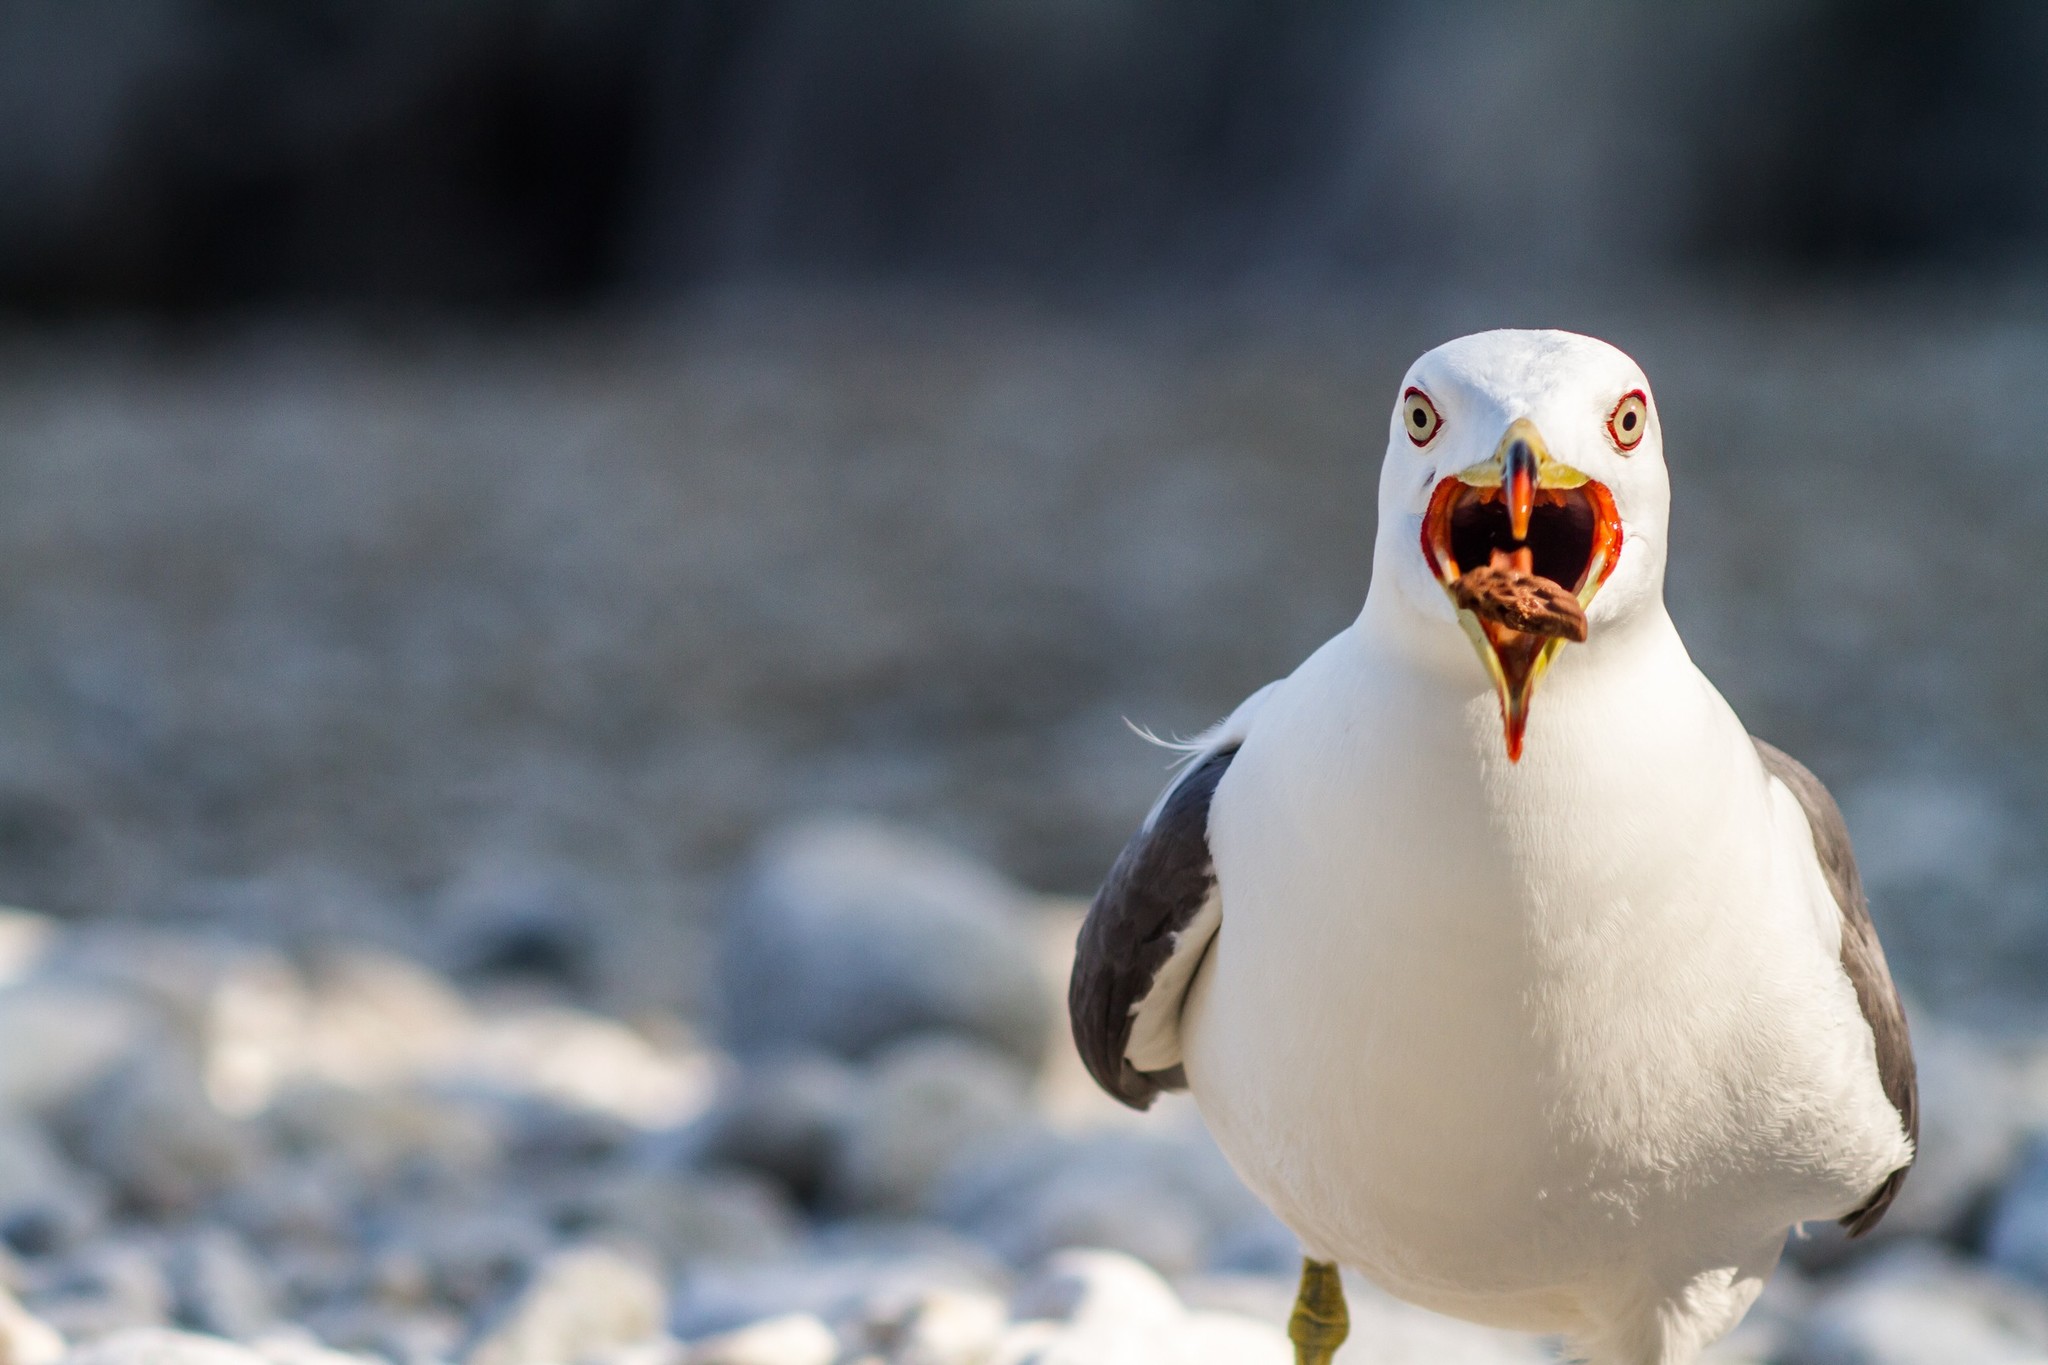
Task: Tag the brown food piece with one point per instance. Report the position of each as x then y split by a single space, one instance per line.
1520 601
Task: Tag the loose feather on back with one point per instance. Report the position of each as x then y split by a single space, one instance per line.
1863 960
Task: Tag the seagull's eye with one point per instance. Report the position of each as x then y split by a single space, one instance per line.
1418 417
1630 416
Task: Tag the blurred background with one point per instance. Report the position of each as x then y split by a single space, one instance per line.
477 475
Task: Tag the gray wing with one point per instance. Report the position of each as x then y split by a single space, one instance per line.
1863 960
1157 887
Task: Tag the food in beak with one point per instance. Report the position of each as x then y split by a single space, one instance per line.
1521 586
1507 593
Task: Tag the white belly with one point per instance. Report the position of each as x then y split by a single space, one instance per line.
1551 1034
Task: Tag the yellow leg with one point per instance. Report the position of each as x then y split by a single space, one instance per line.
1320 1323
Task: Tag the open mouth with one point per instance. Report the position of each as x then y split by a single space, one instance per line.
1572 539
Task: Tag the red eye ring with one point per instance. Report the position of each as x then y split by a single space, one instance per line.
1419 417
1629 420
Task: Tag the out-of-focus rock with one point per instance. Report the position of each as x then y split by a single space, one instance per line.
151 1130
296 1346
111 1287
511 917
46 1204
583 1304
379 1132
785 1117
945 1327
791 1339
477 1252
687 1219
1098 1292
2016 1233
63 1036
1170 1200
26 1339
850 934
930 1101
1913 1305
842 1280
161 1346
1089 1306
219 1288
572 1057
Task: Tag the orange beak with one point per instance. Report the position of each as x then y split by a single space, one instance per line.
1540 516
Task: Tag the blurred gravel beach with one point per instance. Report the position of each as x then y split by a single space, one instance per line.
311 634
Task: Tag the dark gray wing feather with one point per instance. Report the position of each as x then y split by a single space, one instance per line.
1863 960
1158 884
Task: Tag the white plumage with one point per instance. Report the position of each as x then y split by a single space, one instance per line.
1563 1044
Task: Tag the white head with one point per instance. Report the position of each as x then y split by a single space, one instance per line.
1509 442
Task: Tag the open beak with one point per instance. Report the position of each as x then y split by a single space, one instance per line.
1522 510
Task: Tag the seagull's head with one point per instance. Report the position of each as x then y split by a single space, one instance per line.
1536 455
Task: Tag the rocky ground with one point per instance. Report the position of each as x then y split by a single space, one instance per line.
879 1150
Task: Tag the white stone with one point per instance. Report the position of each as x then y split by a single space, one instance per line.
583 1303
951 1327
26 1339
162 1346
792 1339
1102 1295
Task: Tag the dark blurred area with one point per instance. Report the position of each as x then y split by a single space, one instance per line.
184 157
488 462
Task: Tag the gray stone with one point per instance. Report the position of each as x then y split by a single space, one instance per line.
1169 1199
582 1304
159 1346
109 1287
46 1204
383 1132
64 1036
785 1117
844 1281
2016 1234
150 1129
1914 1305
929 1102
718 1216
477 1250
219 1288
850 934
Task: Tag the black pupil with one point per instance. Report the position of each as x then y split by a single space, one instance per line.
1421 418
1628 421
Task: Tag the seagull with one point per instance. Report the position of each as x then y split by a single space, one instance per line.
1554 1008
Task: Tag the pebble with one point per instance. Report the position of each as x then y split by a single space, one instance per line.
687 1218
582 1304
786 1117
161 1346
791 1339
930 1101
849 935
1921 1309
1167 1198
217 1286
26 1339
151 1131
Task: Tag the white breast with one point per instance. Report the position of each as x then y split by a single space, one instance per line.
1501 1035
